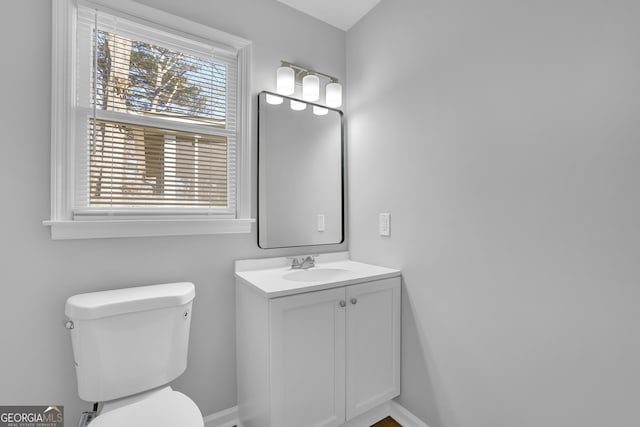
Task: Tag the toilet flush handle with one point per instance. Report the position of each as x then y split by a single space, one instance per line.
69 324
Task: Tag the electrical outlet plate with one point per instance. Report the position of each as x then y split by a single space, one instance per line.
384 224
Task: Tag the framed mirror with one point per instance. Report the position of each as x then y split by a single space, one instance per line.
300 173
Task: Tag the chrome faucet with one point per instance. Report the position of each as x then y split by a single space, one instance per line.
303 263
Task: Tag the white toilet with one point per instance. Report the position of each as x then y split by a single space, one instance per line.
128 344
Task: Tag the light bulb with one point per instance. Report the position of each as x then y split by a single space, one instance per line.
334 95
285 81
310 88
320 111
274 100
297 105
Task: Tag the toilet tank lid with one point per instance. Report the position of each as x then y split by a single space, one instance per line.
95 305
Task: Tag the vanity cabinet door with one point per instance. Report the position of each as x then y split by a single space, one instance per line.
373 344
307 346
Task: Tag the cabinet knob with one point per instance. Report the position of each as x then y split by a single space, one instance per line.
342 303
354 301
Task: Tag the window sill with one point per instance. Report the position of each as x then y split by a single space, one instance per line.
99 229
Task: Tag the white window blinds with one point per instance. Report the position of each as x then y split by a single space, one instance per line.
155 124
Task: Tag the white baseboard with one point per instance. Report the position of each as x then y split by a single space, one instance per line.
225 418
404 417
229 417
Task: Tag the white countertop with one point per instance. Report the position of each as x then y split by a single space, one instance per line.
273 277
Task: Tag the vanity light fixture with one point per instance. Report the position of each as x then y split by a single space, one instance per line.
310 87
285 80
334 95
288 74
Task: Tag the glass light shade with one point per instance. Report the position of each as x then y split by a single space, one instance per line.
274 100
298 106
285 81
310 88
334 95
320 111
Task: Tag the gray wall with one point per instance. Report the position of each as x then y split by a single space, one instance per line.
504 139
37 274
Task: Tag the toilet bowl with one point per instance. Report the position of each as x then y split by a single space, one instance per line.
128 344
160 408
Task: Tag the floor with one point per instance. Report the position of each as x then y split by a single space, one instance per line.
387 422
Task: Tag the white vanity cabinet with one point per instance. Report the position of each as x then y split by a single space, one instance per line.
373 344
317 358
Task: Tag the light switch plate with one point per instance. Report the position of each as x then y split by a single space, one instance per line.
384 224
321 226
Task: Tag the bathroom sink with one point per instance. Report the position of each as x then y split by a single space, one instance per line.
316 274
274 277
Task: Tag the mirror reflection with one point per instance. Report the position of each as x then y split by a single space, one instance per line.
300 173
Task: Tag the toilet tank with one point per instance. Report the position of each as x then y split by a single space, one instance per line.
127 341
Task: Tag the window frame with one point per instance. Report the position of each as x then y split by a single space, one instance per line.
63 132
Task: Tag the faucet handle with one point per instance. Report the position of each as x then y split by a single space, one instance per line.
310 261
303 261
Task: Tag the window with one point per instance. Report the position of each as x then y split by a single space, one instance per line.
149 124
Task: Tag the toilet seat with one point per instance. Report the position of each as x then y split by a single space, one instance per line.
162 408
